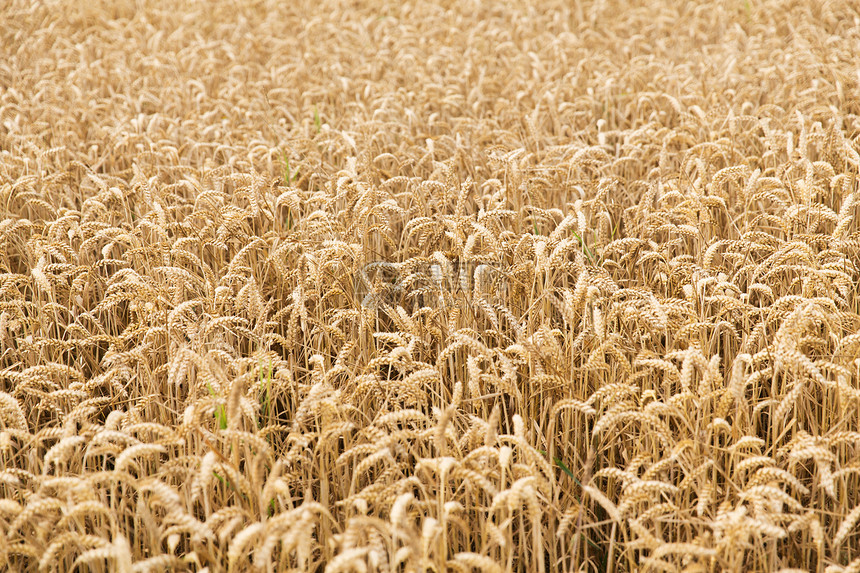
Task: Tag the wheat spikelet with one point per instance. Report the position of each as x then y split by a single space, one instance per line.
85 508
101 550
129 454
35 506
604 502
848 523
769 474
772 494
477 561
13 415
157 563
852 567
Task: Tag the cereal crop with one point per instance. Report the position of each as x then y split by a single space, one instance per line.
342 285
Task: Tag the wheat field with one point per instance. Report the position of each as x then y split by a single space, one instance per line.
429 286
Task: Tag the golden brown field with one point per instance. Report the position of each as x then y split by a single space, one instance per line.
429 286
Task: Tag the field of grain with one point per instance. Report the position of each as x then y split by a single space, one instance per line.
429 286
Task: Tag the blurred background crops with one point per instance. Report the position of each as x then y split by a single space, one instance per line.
383 286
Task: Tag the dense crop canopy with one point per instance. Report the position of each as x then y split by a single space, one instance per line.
427 286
